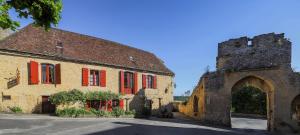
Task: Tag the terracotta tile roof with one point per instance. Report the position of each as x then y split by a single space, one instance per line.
84 48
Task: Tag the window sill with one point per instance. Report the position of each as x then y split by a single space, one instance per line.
152 88
48 83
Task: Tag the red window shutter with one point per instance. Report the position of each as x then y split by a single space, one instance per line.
135 88
102 78
121 103
122 90
154 82
34 72
144 81
57 74
85 77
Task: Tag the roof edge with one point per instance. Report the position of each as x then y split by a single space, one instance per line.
53 57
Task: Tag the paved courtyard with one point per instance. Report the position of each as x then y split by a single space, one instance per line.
39 125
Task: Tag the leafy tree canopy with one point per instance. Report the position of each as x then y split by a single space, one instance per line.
44 12
249 100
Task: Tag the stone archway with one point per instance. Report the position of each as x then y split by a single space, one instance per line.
266 65
265 87
295 110
195 104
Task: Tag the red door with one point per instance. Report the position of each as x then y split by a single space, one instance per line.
47 107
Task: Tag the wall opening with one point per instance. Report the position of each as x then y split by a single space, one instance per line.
250 43
295 112
251 100
195 104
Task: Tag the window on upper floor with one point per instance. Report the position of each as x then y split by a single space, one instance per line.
150 81
94 78
48 73
128 82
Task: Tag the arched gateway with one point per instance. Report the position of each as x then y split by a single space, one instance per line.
263 62
263 85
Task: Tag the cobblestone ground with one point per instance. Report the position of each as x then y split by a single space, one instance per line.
39 125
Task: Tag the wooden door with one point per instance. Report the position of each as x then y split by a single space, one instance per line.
47 107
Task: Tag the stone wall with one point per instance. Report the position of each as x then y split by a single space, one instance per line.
188 108
29 97
263 51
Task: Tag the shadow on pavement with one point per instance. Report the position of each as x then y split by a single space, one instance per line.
170 128
140 129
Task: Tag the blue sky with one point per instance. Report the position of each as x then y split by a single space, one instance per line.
184 33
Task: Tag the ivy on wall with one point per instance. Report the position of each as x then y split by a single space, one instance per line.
67 97
103 96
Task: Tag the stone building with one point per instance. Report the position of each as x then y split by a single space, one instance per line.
36 64
263 62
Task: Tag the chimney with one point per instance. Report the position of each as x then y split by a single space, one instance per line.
59 49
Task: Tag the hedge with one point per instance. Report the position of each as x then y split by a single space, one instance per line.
73 96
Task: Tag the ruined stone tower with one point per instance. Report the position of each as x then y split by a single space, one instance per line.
263 62
263 51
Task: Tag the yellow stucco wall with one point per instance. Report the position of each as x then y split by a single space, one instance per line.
188 108
29 97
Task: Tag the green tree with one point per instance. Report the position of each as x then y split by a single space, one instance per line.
44 12
249 100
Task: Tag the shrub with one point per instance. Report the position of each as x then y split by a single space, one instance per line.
71 112
117 112
130 112
73 96
67 97
100 95
99 113
15 109
146 111
80 112
164 113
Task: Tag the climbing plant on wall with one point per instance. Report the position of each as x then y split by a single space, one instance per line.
67 97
